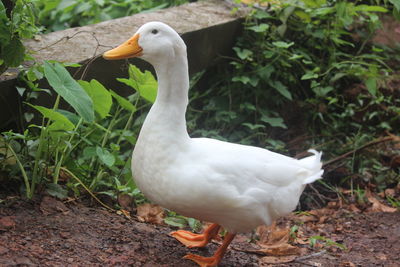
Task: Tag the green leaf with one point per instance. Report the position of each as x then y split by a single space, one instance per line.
194 224
253 81
281 44
259 28
248 106
338 76
89 152
396 3
339 41
261 14
367 8
282 89
105 156
71 116
371 85
304 16
57 191
295 57
101 97
253 126
69 89
322 91
143 82
265 72
243 53
176 221
61 121
314 3
242 79
71 64
125 104
13 53
274 122
309 75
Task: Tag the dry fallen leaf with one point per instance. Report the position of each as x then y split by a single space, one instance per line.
272 235
347 264
322 212
301 238
274 241
126 213
284 249
50 205
7 222
302 241
264 261
125 201
305 218
333 205
318 215
352 207
390 192
377 206
381 256
150 213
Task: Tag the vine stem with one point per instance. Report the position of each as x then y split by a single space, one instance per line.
38 156
64 152
24 175
87 189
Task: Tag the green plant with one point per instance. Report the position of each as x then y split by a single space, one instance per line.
393 201
293 232
62 14
326 242
18 21
81 148
175 220
360 195
305 69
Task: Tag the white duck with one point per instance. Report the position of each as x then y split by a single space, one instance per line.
234 186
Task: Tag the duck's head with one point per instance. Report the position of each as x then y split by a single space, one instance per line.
153 42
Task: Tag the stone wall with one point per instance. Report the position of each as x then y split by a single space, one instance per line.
209 29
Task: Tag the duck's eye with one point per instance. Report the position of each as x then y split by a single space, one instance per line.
154 31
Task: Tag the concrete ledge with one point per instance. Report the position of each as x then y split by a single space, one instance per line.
209 29
79 44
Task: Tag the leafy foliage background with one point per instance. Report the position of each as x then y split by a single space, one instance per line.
303 73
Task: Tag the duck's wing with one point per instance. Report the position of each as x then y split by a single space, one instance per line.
257 164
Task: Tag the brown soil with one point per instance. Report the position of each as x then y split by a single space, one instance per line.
56 234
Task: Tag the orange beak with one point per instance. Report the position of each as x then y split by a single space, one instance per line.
128 49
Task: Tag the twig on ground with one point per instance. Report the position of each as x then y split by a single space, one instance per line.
319 253
320 196
297 260
372 143
251 251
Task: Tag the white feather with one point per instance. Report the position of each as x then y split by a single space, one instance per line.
236 186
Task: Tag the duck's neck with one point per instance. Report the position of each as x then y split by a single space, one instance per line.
168 111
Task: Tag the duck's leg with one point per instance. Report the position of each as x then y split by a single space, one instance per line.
216 258
191 240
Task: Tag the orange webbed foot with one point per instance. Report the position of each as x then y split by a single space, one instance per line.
203 261
189 239
192 240
216 258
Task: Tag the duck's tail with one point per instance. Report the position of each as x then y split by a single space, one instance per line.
314 164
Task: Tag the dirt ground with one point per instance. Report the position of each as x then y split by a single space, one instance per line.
53 233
